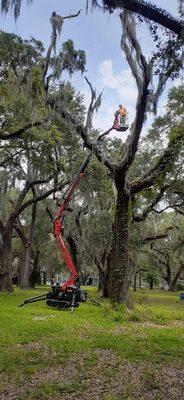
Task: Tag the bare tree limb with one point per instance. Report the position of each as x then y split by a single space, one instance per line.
57 23
94 105
73 15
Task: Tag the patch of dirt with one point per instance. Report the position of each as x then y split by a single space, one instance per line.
39 318
178 323
34 346
149 324
29 346
107 375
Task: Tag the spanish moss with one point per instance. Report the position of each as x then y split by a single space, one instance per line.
15 5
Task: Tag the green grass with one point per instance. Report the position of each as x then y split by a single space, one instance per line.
35 337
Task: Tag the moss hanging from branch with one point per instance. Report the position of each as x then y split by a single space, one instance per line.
14 5
145 9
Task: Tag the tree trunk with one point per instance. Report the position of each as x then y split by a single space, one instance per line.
7 258
20 267
101 280
106 287
135 282
176 277
103 265
73 252
26 243
26 271
151 283
168 277
104 284
140 281
35 274
120 266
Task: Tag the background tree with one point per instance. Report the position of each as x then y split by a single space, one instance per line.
121 171
25 82
166 255
127 185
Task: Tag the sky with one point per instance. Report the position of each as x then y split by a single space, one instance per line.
99 35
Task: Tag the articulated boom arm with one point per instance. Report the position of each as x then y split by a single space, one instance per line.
58 218
57 221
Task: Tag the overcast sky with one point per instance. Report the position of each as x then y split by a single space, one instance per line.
99 35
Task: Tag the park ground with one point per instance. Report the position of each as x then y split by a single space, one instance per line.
96 353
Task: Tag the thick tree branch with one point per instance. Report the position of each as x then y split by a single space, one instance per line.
152 238
129 33
95 149
20 231
2 228
178 273
39 198
162 80
151 12
83 132
165 160
33 217
143 82
4 162
161 211
72 15
20 131
157 198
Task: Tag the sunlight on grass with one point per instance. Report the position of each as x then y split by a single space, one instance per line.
35 337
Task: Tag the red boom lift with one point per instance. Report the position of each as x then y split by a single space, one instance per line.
68 294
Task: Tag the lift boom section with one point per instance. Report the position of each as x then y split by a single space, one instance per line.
58 220
68 295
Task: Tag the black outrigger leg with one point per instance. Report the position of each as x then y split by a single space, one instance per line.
34 299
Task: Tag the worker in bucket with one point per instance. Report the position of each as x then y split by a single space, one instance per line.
120 116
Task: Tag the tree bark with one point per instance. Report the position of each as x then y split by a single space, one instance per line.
20 267
103 265
35 274
26 271
168 277
104 283
151 283
140 281
176 277
7 258
73 252
135 282
26 243
120 266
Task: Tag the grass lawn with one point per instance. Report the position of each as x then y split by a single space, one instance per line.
96 353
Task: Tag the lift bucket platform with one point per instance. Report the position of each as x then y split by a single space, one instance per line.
122 128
